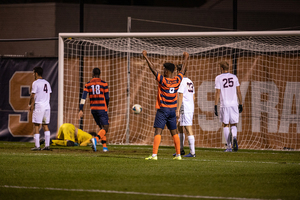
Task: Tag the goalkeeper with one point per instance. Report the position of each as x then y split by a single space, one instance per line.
69 135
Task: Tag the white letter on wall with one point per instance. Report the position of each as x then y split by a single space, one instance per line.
258 106
287 118
208 106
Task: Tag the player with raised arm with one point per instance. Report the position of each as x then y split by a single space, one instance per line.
185 112
166 103
39 104
99 100
228 90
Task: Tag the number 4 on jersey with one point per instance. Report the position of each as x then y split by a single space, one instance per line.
45 88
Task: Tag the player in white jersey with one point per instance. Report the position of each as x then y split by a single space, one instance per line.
39 103
185 112
228 91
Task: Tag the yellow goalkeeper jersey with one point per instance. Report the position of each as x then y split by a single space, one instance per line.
67 132
83 138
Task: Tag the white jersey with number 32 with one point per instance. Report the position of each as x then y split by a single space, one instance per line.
227 83
42 89
187 89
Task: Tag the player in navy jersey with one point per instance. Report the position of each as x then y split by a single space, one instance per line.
228 91
99 100
39 104
166 103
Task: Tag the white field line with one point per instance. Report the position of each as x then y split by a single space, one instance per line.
142 158
163 149
123 192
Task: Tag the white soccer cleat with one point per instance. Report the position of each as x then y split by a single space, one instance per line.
94 144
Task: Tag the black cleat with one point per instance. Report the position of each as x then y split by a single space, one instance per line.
42 141
46 148
182 152
36 149
235 145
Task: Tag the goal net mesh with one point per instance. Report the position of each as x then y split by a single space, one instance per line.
268 69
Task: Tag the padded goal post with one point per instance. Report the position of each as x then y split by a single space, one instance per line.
267 65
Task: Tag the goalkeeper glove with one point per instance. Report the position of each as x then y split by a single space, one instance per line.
240 108
216 110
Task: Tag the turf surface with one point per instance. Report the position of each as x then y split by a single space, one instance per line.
122 173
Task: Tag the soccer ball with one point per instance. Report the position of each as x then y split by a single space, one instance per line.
137 108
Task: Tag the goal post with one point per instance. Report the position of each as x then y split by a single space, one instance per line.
267 64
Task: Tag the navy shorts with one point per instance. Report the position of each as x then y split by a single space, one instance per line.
100 117
165 116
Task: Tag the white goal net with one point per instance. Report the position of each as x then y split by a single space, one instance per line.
266 63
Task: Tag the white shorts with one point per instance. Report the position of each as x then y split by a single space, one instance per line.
186 119
41 116
229 115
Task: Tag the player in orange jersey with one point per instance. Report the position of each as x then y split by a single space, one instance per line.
166 103
99 99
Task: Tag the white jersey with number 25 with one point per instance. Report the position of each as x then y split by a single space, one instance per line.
227 83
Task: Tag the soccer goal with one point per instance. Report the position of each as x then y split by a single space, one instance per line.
266 63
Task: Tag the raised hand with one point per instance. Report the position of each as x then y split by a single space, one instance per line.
144 53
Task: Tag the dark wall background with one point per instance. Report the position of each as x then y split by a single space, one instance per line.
46 20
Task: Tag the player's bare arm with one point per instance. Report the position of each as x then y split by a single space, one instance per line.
179 103
239 94
82 102
31 102
150 64
185 62
80 114
217 97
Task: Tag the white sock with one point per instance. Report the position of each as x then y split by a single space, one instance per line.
191 140
182 138
153 155
234 131
36 139
47 138
226 135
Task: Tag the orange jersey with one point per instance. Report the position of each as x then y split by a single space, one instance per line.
167 91
98 93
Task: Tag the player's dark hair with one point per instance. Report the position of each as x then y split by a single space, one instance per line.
96 72
224 65
169 66
38 70
70 143
93 134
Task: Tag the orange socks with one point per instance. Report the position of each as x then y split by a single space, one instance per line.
157 140
176 143
156 143
101 133
102 136
104 141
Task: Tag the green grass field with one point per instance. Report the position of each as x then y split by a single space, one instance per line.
122 173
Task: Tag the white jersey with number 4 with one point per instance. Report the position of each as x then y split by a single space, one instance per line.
227 83
42 89
187 89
